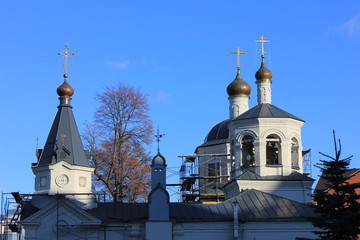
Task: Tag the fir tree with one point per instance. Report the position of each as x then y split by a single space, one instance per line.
337 206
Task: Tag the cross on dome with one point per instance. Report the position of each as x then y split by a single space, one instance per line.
158 136
238 52
66 54
262 41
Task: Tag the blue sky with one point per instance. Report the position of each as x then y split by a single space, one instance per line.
178 52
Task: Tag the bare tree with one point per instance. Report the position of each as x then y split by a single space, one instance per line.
117 139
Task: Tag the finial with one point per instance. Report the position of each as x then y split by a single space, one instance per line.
262 41
65 90
66 54
158 136
238 52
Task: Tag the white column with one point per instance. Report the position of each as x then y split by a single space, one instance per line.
264 92
238 105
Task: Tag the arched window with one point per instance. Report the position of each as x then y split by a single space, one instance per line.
273 150
294 153
248 154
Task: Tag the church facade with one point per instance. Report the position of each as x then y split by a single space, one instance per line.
258 171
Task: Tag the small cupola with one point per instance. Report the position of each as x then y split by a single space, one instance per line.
238 86
238 91
65 90
263 74
158 160
263 77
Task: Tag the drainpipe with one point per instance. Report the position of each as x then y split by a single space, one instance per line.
236 220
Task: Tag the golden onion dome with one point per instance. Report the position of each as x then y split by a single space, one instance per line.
65 90
263 73
238 86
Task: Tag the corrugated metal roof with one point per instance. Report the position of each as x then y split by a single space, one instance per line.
219 131
294 176
266 110
120 212
254 205
218 134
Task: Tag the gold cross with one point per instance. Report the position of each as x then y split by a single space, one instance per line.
66 54
262 40
238 52
63 136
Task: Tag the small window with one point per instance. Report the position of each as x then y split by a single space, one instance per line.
273 150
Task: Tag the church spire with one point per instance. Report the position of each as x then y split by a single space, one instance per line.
238 91
263 77
64 142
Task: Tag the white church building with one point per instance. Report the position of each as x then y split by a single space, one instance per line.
265 194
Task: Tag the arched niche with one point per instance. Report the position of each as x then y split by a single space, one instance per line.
273 150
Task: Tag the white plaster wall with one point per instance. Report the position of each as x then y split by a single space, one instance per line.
285 128
203 230
122 231
158 231
264 92
277 230
238 105
74 173
247 231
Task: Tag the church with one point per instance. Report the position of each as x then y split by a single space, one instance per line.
251 161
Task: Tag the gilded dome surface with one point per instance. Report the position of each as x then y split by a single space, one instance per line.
238 87
263 73
65 90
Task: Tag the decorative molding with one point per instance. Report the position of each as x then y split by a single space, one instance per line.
270 131
295 135
66 204
244 133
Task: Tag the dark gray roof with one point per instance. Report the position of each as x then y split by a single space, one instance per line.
254 205
218 134
294 176
219 131
214 142
120 212
63 142
266 110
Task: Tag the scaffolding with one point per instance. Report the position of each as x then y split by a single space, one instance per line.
9 217
307 162
13 203
196 186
